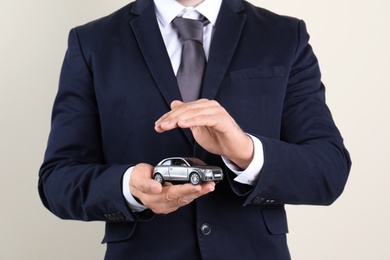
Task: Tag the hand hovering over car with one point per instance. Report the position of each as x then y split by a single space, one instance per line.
212 127
163 199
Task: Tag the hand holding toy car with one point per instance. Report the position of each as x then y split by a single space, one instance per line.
164 199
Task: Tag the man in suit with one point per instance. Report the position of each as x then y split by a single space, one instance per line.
261 116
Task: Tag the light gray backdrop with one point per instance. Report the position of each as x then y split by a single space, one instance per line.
351 40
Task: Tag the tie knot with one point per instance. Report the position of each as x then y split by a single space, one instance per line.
189 29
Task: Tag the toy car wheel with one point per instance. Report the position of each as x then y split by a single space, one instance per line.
158 177
194 178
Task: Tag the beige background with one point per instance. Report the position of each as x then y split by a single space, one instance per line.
351 39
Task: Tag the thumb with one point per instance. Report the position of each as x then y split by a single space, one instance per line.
150 186
141 179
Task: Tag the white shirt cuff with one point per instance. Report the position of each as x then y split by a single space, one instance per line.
251 174
133 204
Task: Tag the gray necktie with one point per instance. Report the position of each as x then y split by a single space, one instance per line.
193 61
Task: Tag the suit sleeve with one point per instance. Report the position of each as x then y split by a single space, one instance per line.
74 180
309 163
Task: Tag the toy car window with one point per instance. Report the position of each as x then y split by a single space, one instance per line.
167 163
178 162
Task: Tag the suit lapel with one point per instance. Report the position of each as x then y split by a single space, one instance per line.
148 35
229 26
151 43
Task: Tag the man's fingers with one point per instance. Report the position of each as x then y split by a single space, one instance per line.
176 103
177 196
198 113
178 107
189 192
178 191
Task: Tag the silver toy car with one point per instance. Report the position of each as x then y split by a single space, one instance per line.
186 170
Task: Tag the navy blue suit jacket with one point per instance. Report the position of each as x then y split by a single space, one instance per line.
117 79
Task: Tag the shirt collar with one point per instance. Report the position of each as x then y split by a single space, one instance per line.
167 10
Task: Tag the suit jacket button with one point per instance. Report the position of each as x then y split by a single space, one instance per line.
122 217
118 216
205 229
258 200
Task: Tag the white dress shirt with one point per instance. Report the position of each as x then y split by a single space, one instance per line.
166 11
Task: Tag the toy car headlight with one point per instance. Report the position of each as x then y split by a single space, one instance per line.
206 171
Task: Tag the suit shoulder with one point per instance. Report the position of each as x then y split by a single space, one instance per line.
267 17
109 21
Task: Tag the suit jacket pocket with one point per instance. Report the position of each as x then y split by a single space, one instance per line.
275 220
118 231
258 73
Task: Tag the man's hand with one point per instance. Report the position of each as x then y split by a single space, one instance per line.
163 199
212 127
